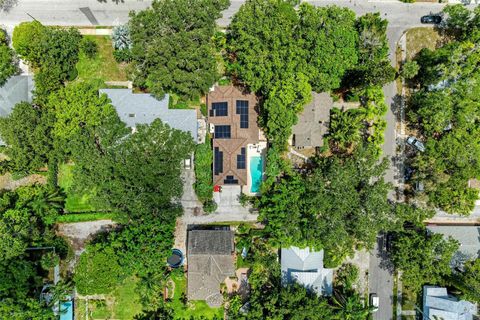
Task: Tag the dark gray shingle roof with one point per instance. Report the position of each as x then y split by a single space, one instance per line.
210 242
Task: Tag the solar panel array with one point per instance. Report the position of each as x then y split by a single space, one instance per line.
218 161
219 109
242 110
223 132
241 159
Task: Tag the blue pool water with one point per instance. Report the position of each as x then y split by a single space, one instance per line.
256 172
66 310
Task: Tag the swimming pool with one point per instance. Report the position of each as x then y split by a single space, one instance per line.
256 173
66 310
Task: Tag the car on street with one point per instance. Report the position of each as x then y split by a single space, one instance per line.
374 301
417 144
431 19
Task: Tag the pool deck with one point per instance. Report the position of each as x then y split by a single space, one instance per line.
254 150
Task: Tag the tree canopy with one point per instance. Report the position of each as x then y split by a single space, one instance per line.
172 47
282 54
27 132
445 111
339 205
8 61
423 257
52 51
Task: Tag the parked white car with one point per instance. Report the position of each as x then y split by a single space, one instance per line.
417 144
374 301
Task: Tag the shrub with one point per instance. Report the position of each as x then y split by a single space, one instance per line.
121 38
409 70
49 260
209 206
124 55
204 109
3 37
8 63
203 171
89 47
27 38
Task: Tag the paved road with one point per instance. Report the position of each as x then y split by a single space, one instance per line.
71 12
380 281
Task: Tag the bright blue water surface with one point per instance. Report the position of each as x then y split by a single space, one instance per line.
66 310
256 172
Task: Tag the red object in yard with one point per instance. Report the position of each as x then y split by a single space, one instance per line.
217 188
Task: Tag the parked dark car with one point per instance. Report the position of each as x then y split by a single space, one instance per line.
431 19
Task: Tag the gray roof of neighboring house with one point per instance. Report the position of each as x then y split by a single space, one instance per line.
210 242
306 267
438 304
143 108
210 262
16 89
467 236
312 123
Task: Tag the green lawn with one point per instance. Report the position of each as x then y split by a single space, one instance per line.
419 38
409 299
127 302
123 304
193 308
74 202
93 216
103 66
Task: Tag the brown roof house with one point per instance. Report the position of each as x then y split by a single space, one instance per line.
210 263
233 122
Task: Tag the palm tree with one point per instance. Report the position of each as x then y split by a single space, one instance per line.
349 306
46 200
345 127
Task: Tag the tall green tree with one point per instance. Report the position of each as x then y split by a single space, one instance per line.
373 63
8 63
330 39
172 46
136 173
468 281
27 133
78 107
423 258
340 205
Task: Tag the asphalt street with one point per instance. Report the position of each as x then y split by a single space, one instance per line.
401 17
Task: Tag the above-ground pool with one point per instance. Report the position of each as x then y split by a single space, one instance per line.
256 173
66 310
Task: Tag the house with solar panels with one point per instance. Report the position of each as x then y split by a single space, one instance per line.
305 267
238 144
143 108
438 304
17 89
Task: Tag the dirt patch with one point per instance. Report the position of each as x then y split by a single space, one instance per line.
79 233
7 182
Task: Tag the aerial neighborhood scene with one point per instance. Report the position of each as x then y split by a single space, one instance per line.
239 159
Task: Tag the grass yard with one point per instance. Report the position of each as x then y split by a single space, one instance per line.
93 216
123 304
74 202
419 38
103 66
193 308
409 299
